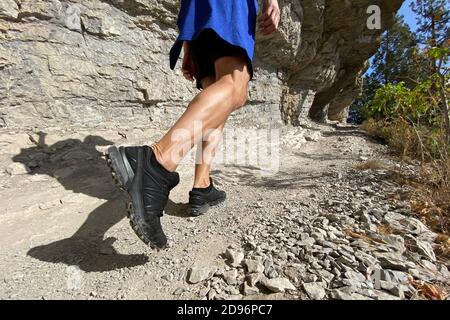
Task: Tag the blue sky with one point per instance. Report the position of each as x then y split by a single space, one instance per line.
410 19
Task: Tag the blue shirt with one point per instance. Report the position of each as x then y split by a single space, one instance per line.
233 20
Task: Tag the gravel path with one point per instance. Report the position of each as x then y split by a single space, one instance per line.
317 229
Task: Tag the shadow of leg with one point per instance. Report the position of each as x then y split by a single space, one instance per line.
177 209
86 248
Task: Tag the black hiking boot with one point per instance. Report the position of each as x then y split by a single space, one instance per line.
137 172
201 199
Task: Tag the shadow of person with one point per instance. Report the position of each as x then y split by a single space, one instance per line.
78 166
177 209
87 248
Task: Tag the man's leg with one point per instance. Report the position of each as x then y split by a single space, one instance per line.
205 156
209 144
208 111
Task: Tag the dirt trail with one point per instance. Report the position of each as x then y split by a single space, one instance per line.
63 232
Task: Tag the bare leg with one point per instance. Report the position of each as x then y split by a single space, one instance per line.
205 156
209 144
208 111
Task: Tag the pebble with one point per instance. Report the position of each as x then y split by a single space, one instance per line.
179 291
203 292
309 242
355 276
278 284
340 295
168 277
16 168
392 261
428 265
395 241
366 258
49 204
348 261
314 291
253 266
394 276
425 248
211 294
198 274
249 290
253 278
230 277
235 257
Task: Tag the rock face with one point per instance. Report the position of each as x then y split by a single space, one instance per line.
105 62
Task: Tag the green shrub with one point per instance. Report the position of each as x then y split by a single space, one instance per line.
396 100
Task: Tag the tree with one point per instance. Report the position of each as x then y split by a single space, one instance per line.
433 20
370 86
392 63
393 60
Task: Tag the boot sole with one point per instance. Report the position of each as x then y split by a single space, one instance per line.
201 210
118 163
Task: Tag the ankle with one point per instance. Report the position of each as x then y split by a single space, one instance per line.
162 160
202 183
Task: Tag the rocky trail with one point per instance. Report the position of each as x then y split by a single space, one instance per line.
318 229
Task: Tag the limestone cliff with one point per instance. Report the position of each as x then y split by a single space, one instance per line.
105 62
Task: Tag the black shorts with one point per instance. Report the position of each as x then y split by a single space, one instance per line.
207 48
